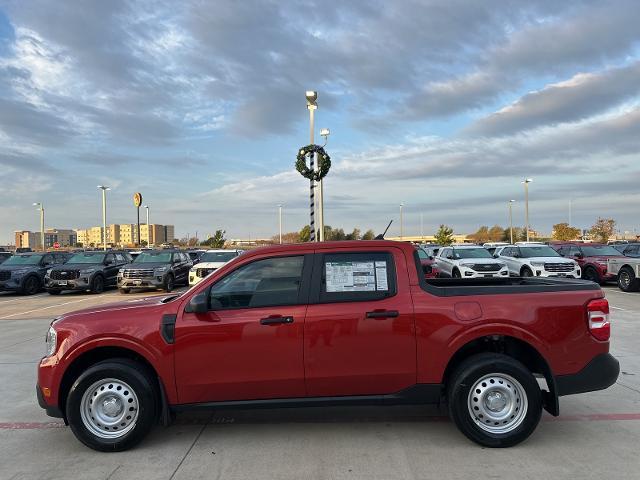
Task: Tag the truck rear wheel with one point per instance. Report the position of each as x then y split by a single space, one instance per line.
627 281
494 400
112 405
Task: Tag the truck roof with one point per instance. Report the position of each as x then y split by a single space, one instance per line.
294 247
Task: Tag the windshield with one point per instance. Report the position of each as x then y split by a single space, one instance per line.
87 258
541 251
422 254
218 256
153 257
599 250
23 260
471 253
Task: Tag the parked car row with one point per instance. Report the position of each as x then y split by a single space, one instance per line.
94 271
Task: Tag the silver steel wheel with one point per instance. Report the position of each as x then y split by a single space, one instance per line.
109 408
497 403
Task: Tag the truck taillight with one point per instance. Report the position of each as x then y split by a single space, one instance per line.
598 318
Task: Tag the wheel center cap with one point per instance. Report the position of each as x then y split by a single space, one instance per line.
112 406
495 401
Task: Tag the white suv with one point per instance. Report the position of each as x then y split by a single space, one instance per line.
210 261
533 260
469 261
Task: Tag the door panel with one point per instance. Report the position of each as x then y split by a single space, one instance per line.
348 352
250 345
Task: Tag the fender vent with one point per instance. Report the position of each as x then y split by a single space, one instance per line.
168 328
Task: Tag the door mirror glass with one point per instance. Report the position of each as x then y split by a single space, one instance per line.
198 304
450 257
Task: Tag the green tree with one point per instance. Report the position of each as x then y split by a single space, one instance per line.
562 231
217 241
444 235
481 235
368 235
305 234
603 229
354 235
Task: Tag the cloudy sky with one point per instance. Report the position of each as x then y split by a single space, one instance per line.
443 105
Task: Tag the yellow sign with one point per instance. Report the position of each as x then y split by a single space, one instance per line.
137 199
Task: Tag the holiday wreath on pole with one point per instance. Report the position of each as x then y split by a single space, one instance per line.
324 163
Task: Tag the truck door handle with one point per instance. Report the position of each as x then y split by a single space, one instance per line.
383 314
275 320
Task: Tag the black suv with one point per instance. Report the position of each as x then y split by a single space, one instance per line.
24 273
155 269
93 271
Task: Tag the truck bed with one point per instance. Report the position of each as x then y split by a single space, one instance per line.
451 287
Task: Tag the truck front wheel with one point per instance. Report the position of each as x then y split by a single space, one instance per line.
112 405
494 400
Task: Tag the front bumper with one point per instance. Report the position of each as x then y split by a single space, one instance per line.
12 285
157 281
541 272
52 411
81 283
600 373
467 272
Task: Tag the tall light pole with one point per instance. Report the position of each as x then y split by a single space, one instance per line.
324 133
526 183
312 96
148 227
511 202
104 215
401 223
280 221
570 211
40 206
422 226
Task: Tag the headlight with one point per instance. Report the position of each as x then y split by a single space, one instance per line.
22 271
193 269
161 269
87 270
466 264
51 341
537 264
48 272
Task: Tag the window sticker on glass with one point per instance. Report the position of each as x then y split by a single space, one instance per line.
381 276
354 277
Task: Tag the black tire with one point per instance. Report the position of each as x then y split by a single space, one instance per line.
492 366
54 292
97 284
169 283
456 273
32 285
124 290
591 274
526 272
143 388
627 280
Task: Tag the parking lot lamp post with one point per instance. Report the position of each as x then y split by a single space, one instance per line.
40 206
280 221
511 220
104 215
526 183
148 228
324 133
401 222
312 106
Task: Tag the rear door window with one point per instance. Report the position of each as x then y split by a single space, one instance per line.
357 276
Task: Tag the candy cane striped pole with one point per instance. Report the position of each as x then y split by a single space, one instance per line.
312 167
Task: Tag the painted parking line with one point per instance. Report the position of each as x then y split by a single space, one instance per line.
597 417
21 299
45 308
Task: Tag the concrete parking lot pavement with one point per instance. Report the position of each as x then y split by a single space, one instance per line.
595 436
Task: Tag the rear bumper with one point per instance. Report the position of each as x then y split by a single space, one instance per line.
51 411
600 373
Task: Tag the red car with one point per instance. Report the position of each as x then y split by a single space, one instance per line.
592 258
333 323
428 263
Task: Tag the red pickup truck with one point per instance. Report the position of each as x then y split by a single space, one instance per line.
333 323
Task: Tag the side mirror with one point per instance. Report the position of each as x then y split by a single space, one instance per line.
198 304
430 257
495 255
450 257
579 255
